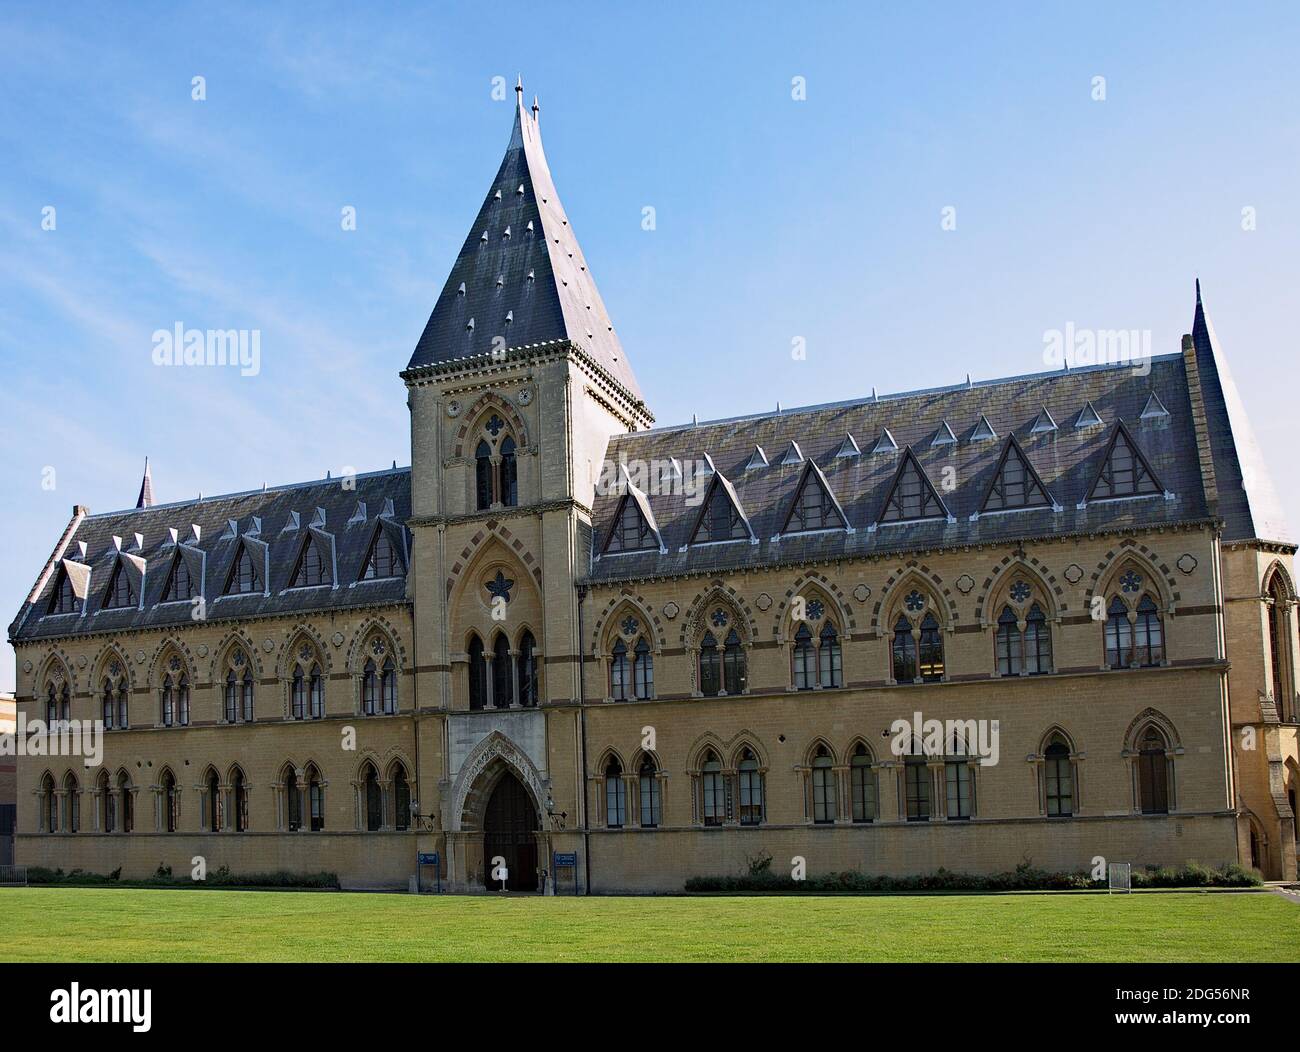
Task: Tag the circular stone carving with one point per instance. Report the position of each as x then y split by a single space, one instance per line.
862 593
81 661
525 395
1073 573
763 601
1186 562
671 610
337 639
139 657
27 666
202 650
965 583
453 408
268 645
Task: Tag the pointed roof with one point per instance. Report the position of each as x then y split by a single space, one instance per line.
145 500
1248 502
521 276
912 495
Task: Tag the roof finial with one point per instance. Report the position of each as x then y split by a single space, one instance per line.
536 108
519 87
145 500
1198 292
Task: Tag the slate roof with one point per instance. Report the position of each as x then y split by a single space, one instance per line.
1066 458
324 509
521 278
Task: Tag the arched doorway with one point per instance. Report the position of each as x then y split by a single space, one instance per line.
509 831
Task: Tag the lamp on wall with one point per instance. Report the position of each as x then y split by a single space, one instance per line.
425 823
557 818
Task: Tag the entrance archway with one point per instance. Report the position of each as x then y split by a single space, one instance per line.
510 832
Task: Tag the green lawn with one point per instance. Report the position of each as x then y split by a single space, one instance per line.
109 924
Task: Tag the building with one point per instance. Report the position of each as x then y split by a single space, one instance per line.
8 782
673 651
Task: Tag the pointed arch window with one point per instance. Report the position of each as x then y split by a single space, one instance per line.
120 593
630 531
721 519
71 804
1124 471
239 792
1134 639
113 701
381 560
825 806
503 673
49 805
620 673
911 496
710 666
643 671
369 689
813 507
1148 634
713 796
312 569
293 798
170 803
648 791
401 799
244 575
388 687
477 675
916 782
299 693
749 783
615 800
63 598
1279 651
508 473
180 586
805 659
483 475
316 799
126 796
374 800
528 683
930 651
316 688
830 662
175 698
239 688
904 651
959 782
1009 643
862 785
214 802
1015 483
1058 779
107 803
1153 773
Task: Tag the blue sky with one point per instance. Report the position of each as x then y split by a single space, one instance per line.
776 218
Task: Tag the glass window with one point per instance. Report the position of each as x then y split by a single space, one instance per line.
712 791
1148 636
960 781
823 787
619 673
1058 774
643 670
483 475
733 661
750 781
862 786
1119 634
829 660
477 675
904 651
916 777
649 792
710 666
509 488
1008 643
931 649
805 659
615 800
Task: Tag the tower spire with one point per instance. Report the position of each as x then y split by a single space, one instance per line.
145 500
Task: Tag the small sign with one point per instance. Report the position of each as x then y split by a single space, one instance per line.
428 858
569 859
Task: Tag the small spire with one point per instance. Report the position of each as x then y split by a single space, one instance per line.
536 108
145 500
519 87
1198 292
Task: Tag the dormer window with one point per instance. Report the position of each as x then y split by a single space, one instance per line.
63 600
311 569
245 575
120 593
381 560
179 584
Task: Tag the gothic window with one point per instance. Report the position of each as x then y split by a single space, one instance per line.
127 799
175 696
388 687
374 799
316 686
315 798
615 803
293 799
1124 470
120 593
720 519
49 805
71 804
528 684
930 651
710 666
244 575
813 507
298 692
1015 483
862 785
381 560
712 791
483 475
1020 651
63 599
733 664
509 474
179 584
620 673
1279 649
1148 639
214 802
107 803
805 659
648 790
629 531
830 665
311 569
477 675
1058 779
503 673
239 792
170 802
749 781
823 787
911 496
1009 643
643 671
1153 773
113 704
904 651
238 688
401 799
369 689
1038 642
1134 635
916 779
959 782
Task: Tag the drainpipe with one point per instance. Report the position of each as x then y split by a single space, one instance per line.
582 723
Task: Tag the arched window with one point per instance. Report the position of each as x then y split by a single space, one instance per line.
299 693
1119 634
1058 779
1279 650
312 569
58 703
823 788
401 799
710 666
749 782
916 779
369 689
805 659
113 699
713 802
239 792
71 804
244 576
49 805
931 650
509 487
830 664
1038 642
179 585
107 803
862 785
239 688
316 685
388 687
733 664
643 670
294 800
477 675
1148 634
1153 773
374 800
528 693
169 699
381 561
648 790
127 797
615 802
232 697
483 475
170 802
503 673
904 651
316 798
959 782
620 673
1009 643
214 803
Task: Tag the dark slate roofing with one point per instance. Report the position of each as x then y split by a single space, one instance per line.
521 278
1066 458
351 528
1248 502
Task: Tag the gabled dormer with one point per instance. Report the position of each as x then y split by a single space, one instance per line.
721 517
814 506
1015 483
1124 470
911 496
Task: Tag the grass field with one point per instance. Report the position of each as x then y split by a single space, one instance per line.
102 924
